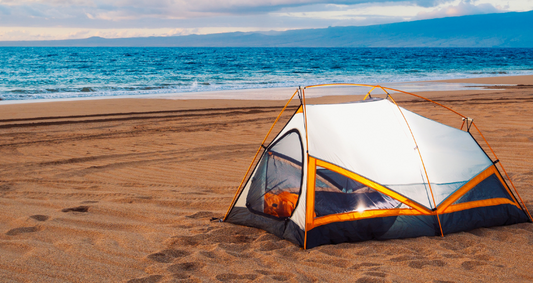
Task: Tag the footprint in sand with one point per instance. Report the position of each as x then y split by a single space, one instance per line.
232 277
453 255
180 270
233 239
419 264
39 217
180 276
472 264
22 230
365 265
331 261
167 256
185 266
406 258
455 246
376 274
149 279
208 254
483 257
76 209
277 276
368 279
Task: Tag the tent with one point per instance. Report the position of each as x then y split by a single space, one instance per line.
371 169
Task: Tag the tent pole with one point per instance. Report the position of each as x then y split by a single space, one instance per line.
307 154
368 94
305 122
427 99
421 160
397 90
256 154
509 178
309 197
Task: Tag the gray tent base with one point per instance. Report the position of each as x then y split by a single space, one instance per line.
285 229
382 228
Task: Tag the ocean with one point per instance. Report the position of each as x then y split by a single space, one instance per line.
74 72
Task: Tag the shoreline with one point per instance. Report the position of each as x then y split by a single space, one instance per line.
25 109
263 98
266 93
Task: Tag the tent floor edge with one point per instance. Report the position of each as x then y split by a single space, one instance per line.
413 226
483 217
284 229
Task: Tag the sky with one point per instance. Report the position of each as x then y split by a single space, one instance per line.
72 19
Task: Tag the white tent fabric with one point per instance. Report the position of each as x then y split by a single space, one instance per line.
285 146
451 156
373 140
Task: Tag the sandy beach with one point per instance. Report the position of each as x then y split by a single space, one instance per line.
125 190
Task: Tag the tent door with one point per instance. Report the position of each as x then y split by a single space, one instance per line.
276 185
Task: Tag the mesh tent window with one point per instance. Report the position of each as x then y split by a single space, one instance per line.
489 188
336 193
276 185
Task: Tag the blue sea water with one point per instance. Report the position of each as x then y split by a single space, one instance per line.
65 72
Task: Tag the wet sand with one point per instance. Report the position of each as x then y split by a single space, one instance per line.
124 190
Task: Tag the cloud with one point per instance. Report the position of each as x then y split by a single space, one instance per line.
111 18
24 34
115 10
176 13
359 11
461 9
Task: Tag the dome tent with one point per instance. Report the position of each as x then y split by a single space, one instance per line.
372 170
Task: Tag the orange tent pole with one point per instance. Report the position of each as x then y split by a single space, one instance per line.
310 198
307 154
305 121
397 90
427 99
256 154
368 94
422 160
339 84
509 178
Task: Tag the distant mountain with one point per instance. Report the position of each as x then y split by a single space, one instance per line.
514 29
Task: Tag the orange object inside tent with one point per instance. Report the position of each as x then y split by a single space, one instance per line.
280 205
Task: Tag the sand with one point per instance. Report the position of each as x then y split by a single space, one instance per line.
124 190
